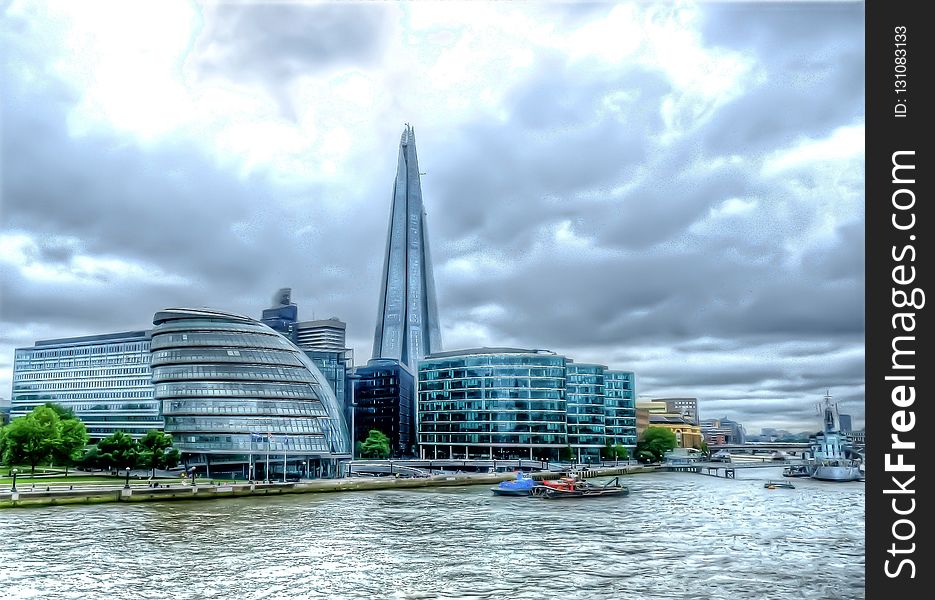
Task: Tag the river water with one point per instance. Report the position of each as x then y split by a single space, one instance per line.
677 535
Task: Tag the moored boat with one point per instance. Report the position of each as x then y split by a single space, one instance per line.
521 486
570 487
829 460
772 485
796 471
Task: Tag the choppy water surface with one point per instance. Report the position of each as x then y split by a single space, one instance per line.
676 536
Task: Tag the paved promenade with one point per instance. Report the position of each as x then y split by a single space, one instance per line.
93 494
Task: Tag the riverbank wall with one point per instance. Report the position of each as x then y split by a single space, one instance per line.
102 494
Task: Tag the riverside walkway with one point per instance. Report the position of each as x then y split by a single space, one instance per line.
94 494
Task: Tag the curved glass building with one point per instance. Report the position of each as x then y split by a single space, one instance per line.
237 396
492 403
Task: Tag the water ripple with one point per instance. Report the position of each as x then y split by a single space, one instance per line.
675 534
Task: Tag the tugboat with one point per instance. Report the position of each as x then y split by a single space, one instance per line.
829 462
521 486
571 487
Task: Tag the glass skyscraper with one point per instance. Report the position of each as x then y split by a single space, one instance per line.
234 391
407 319
380 386
104 379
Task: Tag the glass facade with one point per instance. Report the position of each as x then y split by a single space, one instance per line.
385 401
584 393
492 403
104 379
231 387
620 409
407 320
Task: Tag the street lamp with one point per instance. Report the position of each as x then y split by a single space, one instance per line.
126 486
15 471
193 476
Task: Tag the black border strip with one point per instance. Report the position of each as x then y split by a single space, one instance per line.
898 122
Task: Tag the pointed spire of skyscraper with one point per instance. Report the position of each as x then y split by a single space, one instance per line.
407 322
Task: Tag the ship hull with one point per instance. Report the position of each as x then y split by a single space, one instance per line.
836 473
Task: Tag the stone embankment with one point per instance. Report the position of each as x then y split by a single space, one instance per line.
100 494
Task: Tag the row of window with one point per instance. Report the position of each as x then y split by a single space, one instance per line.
67 363
492 382
290 424
231 372
75 385
196 389
494 406
486 427
96 350
492 438
489 417
233 340
71 373
226 355
244 443
483 360
243 407
432 375
492 394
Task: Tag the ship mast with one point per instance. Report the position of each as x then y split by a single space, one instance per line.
829 409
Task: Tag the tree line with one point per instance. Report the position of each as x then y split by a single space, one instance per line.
53 434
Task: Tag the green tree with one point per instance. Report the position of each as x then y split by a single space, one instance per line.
619 452
656 441
91 459
70 442
704 449
119 451
32 438
156 451
64 413
377 445
567 454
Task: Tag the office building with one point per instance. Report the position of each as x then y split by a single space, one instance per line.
620 409
323 334
520 403
687 434
844 423
380 386
103 379
234 392
584 409
723 431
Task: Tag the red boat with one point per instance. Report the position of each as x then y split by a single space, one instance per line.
572 487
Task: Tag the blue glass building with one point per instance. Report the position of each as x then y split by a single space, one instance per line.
103 379
584 401
492 403
241 399
620 409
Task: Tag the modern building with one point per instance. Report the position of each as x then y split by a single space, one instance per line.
103 379
844 423
496 403
323 341
4 412
239 399
380 385
584 409
684 407
620 409
723 431
323 334
407 321
517 403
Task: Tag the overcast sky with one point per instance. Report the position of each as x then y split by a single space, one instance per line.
671 189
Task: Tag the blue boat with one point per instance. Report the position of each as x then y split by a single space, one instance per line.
521 486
